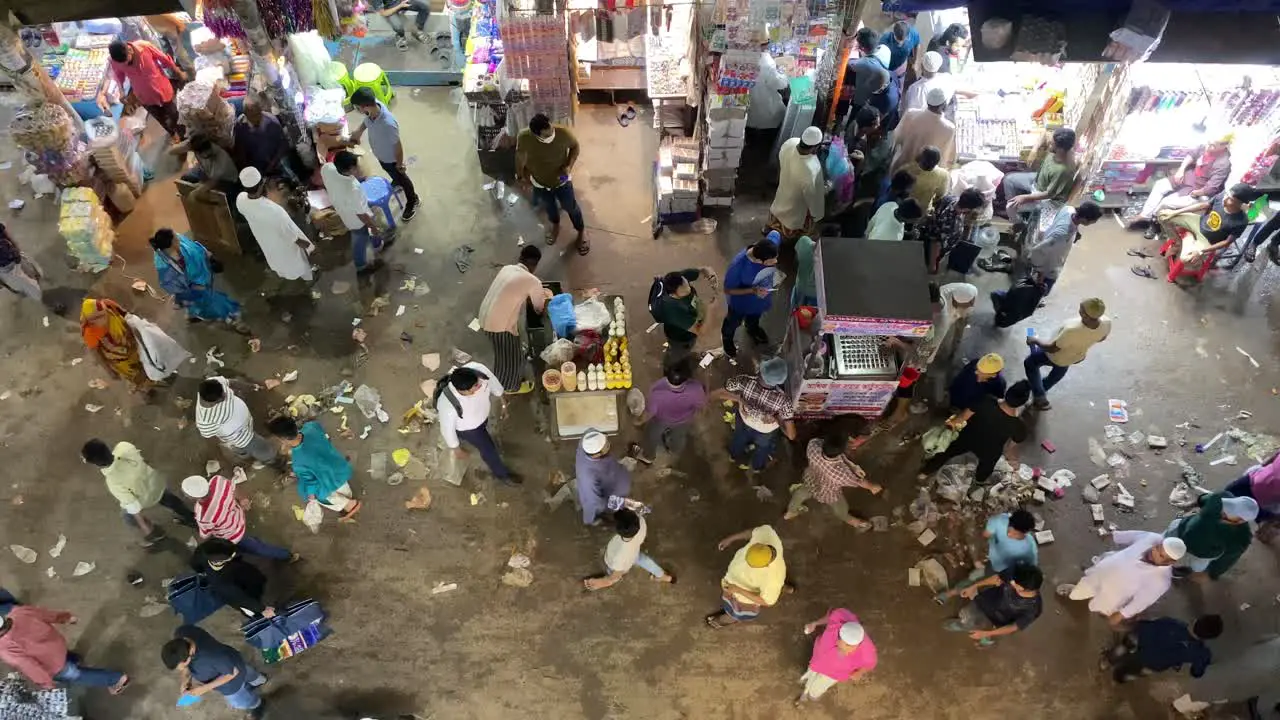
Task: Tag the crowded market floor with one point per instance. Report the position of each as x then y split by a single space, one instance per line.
488 650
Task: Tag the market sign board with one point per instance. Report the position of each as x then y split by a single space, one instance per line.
827 398
851 325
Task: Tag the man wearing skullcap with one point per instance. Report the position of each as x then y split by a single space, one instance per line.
991 429
841 653
1124 582
1068 347
599 476
764 411
978 379
283 243
755 578
1202 175
1216 536
800 201
930 78
924 128
219 514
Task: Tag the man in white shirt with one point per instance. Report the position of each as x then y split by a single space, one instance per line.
891 220
1047 252
283 243
1067 348
624 552
930 78
1123 583
801 198
463 400
923 128
342 181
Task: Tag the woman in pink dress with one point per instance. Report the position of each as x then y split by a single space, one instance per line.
843 652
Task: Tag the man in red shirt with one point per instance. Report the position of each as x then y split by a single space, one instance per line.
30 644
143 65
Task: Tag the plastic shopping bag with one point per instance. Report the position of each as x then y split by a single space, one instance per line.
313 515
937 439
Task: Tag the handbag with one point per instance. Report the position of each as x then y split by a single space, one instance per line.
294 630
190 597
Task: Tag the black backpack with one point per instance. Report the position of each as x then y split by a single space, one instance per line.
657 294
1019 302
444 388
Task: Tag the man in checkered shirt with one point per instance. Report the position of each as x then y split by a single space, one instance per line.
828 473
763 410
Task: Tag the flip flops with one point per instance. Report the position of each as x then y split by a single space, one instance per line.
1136 252
1142 271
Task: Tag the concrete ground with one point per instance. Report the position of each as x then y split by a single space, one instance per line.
488 650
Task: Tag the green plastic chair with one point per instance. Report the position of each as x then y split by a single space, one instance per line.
370 75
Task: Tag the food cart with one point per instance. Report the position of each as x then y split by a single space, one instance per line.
869 290
579 405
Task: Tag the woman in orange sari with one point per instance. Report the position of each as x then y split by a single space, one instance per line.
104 331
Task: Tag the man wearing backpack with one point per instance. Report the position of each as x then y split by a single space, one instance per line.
674 302
463 401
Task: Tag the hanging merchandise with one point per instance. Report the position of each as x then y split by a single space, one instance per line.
87 229
204 112
325 14
281 17
53 146
536 49
220 17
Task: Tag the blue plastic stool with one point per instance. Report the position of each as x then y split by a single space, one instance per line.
379 193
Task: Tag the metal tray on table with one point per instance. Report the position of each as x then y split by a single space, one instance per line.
862 355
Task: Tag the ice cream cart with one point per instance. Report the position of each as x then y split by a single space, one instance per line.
868 290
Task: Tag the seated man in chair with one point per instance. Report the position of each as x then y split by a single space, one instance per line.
1210 225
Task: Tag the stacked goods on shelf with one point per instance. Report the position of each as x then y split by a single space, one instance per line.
238 78
677 176
52 143
113 152
536 50
667 69
204 112
725 135
81 73
87 229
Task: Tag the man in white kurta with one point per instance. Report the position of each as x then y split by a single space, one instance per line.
1125 582
923 128
282 241
801 197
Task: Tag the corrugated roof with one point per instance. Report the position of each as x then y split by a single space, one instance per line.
35 12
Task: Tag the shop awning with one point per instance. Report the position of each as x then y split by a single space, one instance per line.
30 12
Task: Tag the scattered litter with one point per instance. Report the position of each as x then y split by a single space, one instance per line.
6 395
421 500
417 251
395 478
629 463
1038 496
213 359
83 568
1248 356
370 403
255 344
46 321
399 311
339 287
77 361
1048 446
462 258
1206 446
25 554
56 550
1116 411
17 204
562 493
477 499
1114 431
926 537
1228 459
1182 496
519 241
460 357
707 359
212 467
913 577
376 305
237 474
431 361
1157 442
1116 460
518 577
474 324
1097 512
763 493
880 523
98 384
519 560
1096 453
289 376
378 466
90 407
1244 606
401 457
1044 537
444 587
1123 498
1189 707
651 328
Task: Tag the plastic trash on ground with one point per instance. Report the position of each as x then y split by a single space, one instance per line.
312 516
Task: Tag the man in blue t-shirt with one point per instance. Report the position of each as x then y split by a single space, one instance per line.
1009 540
749 286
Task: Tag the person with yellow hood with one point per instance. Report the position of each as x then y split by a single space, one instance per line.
1201 175
755 578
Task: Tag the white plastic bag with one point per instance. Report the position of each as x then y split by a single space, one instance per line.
558 353
313 515
591 314
954 481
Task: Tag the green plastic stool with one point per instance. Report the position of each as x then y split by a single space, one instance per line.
339 73
370 75
1256 208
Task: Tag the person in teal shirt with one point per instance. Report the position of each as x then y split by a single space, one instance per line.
324 475
1009 540
805 290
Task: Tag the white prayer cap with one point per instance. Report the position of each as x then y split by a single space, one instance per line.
594 441
932 61
195 486
1241 508
883 54
811 136
936 97
851 633
963 292
250 177
1174 548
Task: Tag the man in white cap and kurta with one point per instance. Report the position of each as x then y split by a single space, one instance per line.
929 78
801 198
600 476
220 515
1123 583
283 243
842 652
923 128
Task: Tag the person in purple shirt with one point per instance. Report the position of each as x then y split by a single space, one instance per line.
673 403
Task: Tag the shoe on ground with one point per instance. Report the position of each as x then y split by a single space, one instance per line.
1150 233
402 44
409 211
1043 404
512 480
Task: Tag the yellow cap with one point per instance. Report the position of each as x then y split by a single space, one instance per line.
990 364
759 555
1094 307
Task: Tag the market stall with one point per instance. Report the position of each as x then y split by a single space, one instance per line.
588 366
868 290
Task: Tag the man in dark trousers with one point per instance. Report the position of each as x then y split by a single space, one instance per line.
1161 644
681 312
206 665
988 434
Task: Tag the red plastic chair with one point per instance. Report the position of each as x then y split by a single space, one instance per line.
1177 267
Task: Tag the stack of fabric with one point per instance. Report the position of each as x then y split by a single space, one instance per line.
204 112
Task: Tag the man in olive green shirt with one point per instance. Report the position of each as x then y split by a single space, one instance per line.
681 312
136 485
1053 181
545 155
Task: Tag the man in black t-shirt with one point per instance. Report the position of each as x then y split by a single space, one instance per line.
206 665
988 433
1211 225
681 312
1002 604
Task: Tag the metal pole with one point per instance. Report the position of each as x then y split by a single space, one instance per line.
265 57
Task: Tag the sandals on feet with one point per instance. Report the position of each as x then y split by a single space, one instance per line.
584 246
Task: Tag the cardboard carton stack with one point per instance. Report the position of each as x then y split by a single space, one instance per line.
677 179
726 128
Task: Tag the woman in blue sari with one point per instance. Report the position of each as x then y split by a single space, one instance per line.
186 273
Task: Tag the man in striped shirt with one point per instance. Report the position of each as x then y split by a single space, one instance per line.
220 515
221 414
